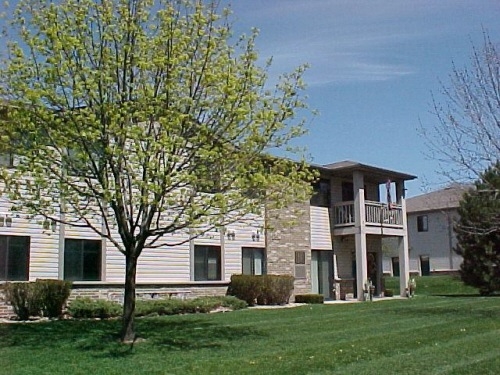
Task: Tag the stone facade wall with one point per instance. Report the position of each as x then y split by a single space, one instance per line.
289 230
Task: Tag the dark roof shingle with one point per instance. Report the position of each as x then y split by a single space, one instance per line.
442 199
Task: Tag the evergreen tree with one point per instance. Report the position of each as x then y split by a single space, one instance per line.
478 233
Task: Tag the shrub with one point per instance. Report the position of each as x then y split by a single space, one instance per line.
24 298
232 303
262 289
245 287
94 308
309 298
159 307
279 288
207 304
53 295
388 293
176 306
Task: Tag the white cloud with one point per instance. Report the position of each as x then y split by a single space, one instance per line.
345 40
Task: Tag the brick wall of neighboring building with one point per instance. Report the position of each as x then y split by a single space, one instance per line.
289 230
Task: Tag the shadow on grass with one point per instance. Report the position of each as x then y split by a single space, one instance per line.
101 338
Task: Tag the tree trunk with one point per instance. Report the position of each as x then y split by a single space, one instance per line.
128 328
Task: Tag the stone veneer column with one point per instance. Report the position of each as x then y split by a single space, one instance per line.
289 230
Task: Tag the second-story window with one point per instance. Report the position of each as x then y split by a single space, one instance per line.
7 159
422 223
321 193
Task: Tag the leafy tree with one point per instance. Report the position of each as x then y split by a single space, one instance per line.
478 233
466 136
141 118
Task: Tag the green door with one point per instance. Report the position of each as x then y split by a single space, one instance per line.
322 272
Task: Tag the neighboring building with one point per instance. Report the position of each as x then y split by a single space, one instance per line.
333 247
431 238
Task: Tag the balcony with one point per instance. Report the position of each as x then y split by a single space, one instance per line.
377 214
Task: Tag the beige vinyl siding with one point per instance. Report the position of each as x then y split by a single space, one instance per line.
115 264
164 264
44 249
321 238
243 238
79 232
44 245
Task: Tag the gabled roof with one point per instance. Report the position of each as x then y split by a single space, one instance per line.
443 199
371 173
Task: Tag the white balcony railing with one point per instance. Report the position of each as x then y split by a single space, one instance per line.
381 213
343 214
376 213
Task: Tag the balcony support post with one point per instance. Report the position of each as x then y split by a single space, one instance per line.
404 257
360 234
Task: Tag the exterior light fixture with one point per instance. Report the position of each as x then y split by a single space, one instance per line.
231 235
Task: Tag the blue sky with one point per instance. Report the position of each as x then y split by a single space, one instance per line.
374 65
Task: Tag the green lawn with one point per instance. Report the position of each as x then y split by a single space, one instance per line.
434 285
424 335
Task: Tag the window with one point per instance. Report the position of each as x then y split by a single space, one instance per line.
6 147
14 258
208 175
7 159
82 259
207 263
253 261
422 223
300 264
347 191
78 163
321 193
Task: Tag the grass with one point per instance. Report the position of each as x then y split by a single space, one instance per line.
425 335
434 285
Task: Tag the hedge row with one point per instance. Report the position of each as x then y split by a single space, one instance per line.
92 308
39 298
309 298
262 289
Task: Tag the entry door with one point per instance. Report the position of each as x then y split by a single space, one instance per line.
322 272
425 266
